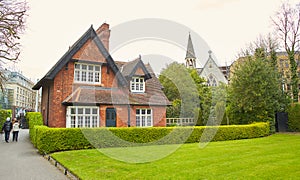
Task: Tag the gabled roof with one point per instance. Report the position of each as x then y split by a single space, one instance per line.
129 68
89 34
190 53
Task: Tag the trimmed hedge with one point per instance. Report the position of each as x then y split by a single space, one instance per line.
34 119
60 139
294 117
3 115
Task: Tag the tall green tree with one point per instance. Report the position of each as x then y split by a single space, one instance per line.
188 92
254 91
287 27
179 87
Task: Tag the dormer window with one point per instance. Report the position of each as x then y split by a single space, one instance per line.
87 73
137 84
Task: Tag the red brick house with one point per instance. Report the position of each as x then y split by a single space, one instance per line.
87 88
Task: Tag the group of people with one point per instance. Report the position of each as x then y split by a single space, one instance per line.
9 126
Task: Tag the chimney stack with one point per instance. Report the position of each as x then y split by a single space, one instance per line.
103 33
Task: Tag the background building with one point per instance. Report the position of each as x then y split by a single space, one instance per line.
18 94
211 72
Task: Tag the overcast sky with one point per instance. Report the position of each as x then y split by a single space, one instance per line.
225 25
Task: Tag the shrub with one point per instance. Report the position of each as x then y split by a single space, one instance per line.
3 115
60 139
34 119
294 117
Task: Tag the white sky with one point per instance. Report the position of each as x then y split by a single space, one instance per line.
225 25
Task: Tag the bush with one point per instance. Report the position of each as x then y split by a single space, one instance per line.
34 119
3 115
60 139
294 117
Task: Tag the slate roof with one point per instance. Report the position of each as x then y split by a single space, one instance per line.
128 69
89 34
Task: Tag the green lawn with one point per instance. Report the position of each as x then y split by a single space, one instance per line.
273 157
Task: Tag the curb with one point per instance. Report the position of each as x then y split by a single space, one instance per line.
60 167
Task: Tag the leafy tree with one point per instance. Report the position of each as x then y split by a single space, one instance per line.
12 24
188 92
179 87
287 25
254 91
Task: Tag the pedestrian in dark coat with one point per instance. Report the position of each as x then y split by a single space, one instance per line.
7 126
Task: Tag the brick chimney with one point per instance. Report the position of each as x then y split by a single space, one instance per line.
104 33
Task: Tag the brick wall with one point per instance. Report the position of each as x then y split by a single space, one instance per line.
158 112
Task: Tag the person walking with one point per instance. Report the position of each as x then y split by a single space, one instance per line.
7 126
15 129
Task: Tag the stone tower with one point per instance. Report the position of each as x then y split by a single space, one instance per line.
190 58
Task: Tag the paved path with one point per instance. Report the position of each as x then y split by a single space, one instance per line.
20 161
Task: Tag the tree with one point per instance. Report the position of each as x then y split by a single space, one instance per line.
187 91
12 25
287 24
254 91
179 86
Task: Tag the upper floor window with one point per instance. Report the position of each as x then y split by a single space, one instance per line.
137 84
87 73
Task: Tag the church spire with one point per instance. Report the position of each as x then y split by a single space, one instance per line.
190 58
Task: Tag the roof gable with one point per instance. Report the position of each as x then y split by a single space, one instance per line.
89 35
211 68
135 67
89 51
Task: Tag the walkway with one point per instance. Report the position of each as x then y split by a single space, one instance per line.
20 161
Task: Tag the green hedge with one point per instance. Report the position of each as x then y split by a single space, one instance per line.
294 117
60 139
34 119
3 115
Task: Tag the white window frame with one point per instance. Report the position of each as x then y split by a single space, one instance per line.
78 116
137 84
146 116
89 75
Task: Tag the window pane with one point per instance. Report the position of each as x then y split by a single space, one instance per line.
137 111
148 111
73 118
138 121
83 76
80 111
143 121
91 77
87 121
80 121
97 68
94 122
95 111
91 68
77 76
77 66
83 66
87 111
73 110
143 111
97 77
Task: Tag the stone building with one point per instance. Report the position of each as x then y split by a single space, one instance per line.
211 72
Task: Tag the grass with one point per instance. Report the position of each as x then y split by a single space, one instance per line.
273 157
